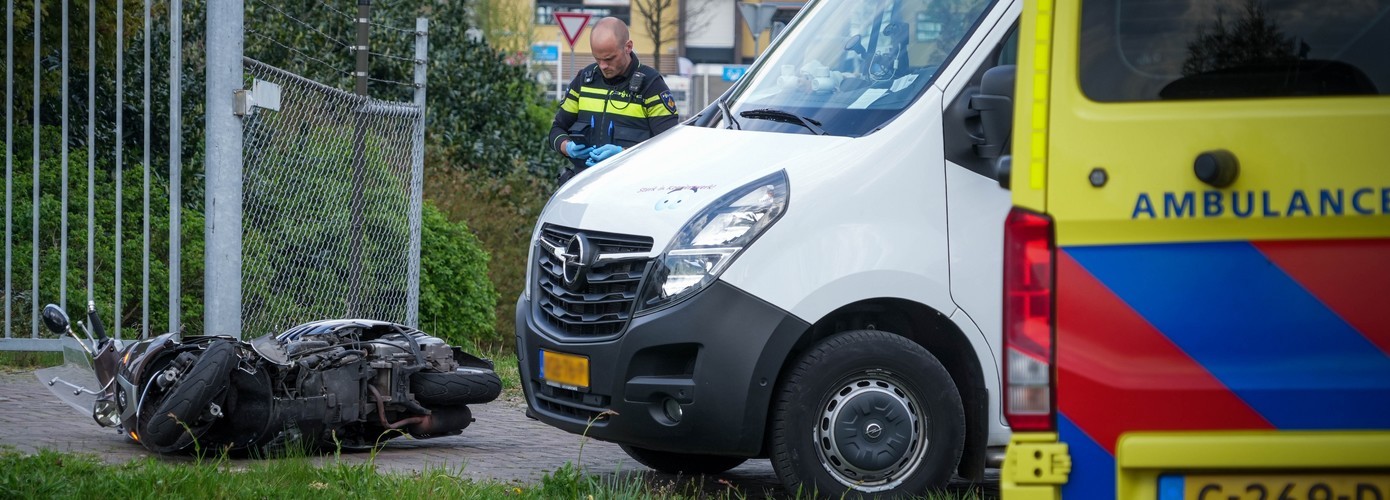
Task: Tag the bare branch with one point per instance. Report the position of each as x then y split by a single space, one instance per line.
660 19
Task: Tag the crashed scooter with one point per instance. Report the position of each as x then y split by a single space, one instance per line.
332 384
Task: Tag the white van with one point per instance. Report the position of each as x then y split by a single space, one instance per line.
807 271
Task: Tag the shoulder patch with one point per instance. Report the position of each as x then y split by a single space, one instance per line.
668 100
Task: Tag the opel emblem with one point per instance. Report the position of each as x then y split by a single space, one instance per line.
873 431
577 258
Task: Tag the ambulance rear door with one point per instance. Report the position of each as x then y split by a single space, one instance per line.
1218 173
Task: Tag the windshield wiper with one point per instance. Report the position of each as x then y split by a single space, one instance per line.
778 115
729 115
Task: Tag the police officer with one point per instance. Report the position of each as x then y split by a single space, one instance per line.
612 104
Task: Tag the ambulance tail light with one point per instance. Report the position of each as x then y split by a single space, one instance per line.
1029 252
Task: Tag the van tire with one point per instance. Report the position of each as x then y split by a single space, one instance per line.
682 463
867 381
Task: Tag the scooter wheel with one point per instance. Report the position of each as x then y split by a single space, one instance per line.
181 409
463 386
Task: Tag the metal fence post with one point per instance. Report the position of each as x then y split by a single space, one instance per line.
91 149
417 172
359 160
145 244
120 166
175 160
63 251
9 161
222 251
34 236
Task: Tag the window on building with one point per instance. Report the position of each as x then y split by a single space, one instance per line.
546 9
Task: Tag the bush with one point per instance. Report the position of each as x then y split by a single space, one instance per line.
501 211
50 241
456 298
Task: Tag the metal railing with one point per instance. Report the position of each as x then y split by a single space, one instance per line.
24 298
387 184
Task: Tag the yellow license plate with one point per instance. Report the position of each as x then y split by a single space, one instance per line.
564 370
1275 487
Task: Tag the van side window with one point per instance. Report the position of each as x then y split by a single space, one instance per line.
1008 54
1140 50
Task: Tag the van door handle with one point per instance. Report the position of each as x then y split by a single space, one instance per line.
1218 168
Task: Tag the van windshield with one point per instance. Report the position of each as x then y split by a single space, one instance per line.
847 68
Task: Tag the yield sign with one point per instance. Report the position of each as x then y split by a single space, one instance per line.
571 25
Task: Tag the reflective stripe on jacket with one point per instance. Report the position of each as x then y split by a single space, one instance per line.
625 111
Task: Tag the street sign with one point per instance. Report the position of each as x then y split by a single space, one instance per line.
758 17
571 25
733 73
545 52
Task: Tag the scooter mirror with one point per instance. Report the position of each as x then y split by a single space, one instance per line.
55 319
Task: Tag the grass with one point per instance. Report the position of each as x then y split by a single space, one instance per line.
49 474
504 363
18 361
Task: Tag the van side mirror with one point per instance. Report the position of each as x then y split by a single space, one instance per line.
995 104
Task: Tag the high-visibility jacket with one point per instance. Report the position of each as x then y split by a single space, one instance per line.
624 111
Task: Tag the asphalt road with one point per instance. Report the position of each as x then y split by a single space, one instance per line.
502 445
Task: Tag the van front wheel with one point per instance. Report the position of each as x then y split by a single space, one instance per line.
867 412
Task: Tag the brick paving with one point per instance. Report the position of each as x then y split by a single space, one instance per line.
502 445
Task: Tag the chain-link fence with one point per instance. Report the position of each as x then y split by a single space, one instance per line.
330 203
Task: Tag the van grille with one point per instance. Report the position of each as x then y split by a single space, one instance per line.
601 307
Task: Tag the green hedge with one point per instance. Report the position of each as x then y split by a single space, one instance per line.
456 297
132 246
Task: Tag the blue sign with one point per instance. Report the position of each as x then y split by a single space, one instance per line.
545 52
733 73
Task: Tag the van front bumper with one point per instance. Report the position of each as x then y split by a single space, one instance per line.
717 355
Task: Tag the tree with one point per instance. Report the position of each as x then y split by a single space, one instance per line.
661 19
1252 39
507 24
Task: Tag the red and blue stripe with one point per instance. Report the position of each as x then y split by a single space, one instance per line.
1218 336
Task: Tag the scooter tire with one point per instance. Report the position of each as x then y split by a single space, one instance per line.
179 411
463 386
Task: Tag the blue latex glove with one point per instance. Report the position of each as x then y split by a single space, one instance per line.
603 153
577 150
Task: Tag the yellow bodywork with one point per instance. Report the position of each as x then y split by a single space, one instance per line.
1309 168
1036 464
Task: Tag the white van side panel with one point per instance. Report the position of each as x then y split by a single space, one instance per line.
976 208
998 427
866 220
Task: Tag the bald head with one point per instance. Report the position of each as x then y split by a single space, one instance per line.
609 29
611 46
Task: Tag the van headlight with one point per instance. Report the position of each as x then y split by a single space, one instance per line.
712 239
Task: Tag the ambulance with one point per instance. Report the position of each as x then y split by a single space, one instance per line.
807 271
1197 264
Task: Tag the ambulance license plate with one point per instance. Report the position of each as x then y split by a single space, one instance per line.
1271 487
564 370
